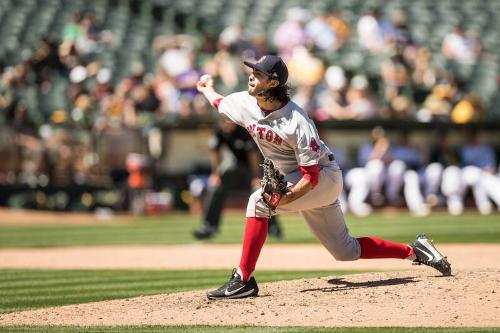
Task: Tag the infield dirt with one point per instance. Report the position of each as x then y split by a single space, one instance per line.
409 299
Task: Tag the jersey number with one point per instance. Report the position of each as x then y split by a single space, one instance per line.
314 145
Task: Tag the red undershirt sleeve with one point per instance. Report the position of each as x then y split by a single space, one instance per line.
216 103
311 173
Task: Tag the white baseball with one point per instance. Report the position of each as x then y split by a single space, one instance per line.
204 78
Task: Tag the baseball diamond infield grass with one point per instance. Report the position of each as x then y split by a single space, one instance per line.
177 228
235 329
31 288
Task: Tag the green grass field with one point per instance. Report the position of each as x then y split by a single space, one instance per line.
29 289
177 228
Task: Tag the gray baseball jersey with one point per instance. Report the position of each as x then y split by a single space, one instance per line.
290 139
286 136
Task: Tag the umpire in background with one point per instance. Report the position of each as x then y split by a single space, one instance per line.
240 171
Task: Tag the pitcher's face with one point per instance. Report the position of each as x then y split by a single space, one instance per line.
259 82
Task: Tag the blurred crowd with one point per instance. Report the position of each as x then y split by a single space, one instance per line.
402 174
70 119
66 117
406 84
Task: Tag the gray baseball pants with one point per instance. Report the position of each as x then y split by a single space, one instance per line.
320 208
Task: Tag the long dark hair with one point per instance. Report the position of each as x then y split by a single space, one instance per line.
280 93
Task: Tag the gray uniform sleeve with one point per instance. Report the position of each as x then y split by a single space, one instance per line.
308 144
230 108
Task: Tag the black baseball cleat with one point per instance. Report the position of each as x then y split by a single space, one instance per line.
428 255
235 288
204 232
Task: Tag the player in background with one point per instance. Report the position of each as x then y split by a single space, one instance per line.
443 176
478 172
285 135
367 181
375 157
239 169
473 165
409 165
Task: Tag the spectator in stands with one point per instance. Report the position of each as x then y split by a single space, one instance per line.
375 32
72 29
291 33
133 103
359 104
175 53
191 103
424 75
116 110
438 104
304 67
304 96
322 34
401 107
333 91
139 88
77 77
46 61
225 62
7 92
235 39
461 47
177 58
402 35
103 87
340 27
469 109
261 45
87 41
167 94
395 74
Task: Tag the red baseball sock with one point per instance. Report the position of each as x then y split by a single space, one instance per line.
253 240
373 248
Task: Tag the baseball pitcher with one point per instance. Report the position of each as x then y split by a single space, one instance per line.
289 139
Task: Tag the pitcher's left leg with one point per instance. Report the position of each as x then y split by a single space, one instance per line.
329 226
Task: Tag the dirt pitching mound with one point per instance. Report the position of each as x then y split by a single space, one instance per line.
410 299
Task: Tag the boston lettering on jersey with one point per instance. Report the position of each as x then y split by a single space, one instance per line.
263 133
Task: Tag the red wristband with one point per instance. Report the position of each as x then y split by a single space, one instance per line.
216 103
311 173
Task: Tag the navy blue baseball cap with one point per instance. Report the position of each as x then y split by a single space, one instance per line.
272 66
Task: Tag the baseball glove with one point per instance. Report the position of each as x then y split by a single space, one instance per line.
273 183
